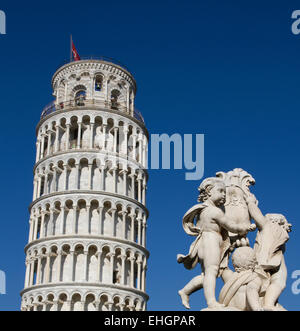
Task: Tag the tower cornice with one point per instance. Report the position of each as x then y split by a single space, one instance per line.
109 67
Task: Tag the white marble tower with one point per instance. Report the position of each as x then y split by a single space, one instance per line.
87 238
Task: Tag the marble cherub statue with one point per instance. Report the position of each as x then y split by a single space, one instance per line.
269 246
212 244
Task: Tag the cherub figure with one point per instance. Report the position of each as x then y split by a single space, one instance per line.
269 246
211 246
242 288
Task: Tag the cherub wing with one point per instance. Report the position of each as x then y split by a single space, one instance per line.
188 219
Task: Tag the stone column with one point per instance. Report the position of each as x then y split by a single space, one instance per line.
38 147
133 216
115 139
113 218
62 221
91 135
79 135
139 188
85 267
42 230
31 223
55 305
35 184
51 217
124 215
112 263
69 303
143 288
72 265
104 136
77 176
139 220
74 219
132 261
46 186
139 273
27 274
39 185
140 148
125 182
66 168
99 254
47 268
59 255
49 142
88 212
100 209
38 273
102 167
126 140
90 176
67 144
134 144
144 191
54 180
132 176
145 152
123 269
36 222
114 171
56 139
43 145
144 232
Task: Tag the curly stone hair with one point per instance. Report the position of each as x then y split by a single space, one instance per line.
244 258
206 186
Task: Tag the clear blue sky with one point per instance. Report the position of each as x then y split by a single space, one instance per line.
228 69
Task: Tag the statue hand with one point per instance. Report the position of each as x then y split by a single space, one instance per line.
252 227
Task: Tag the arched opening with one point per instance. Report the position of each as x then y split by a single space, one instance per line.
89 304
76 304
98 83
50 305
62 302
114 99
79 95
92 265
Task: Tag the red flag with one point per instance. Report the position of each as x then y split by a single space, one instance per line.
75 53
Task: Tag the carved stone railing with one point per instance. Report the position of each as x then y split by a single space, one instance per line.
52 107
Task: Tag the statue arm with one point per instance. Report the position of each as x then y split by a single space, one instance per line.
231 226
252 295
257 215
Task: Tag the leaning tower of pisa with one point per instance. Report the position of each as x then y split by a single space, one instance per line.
87 237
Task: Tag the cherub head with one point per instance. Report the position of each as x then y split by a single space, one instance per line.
280 220
213 189
243 259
